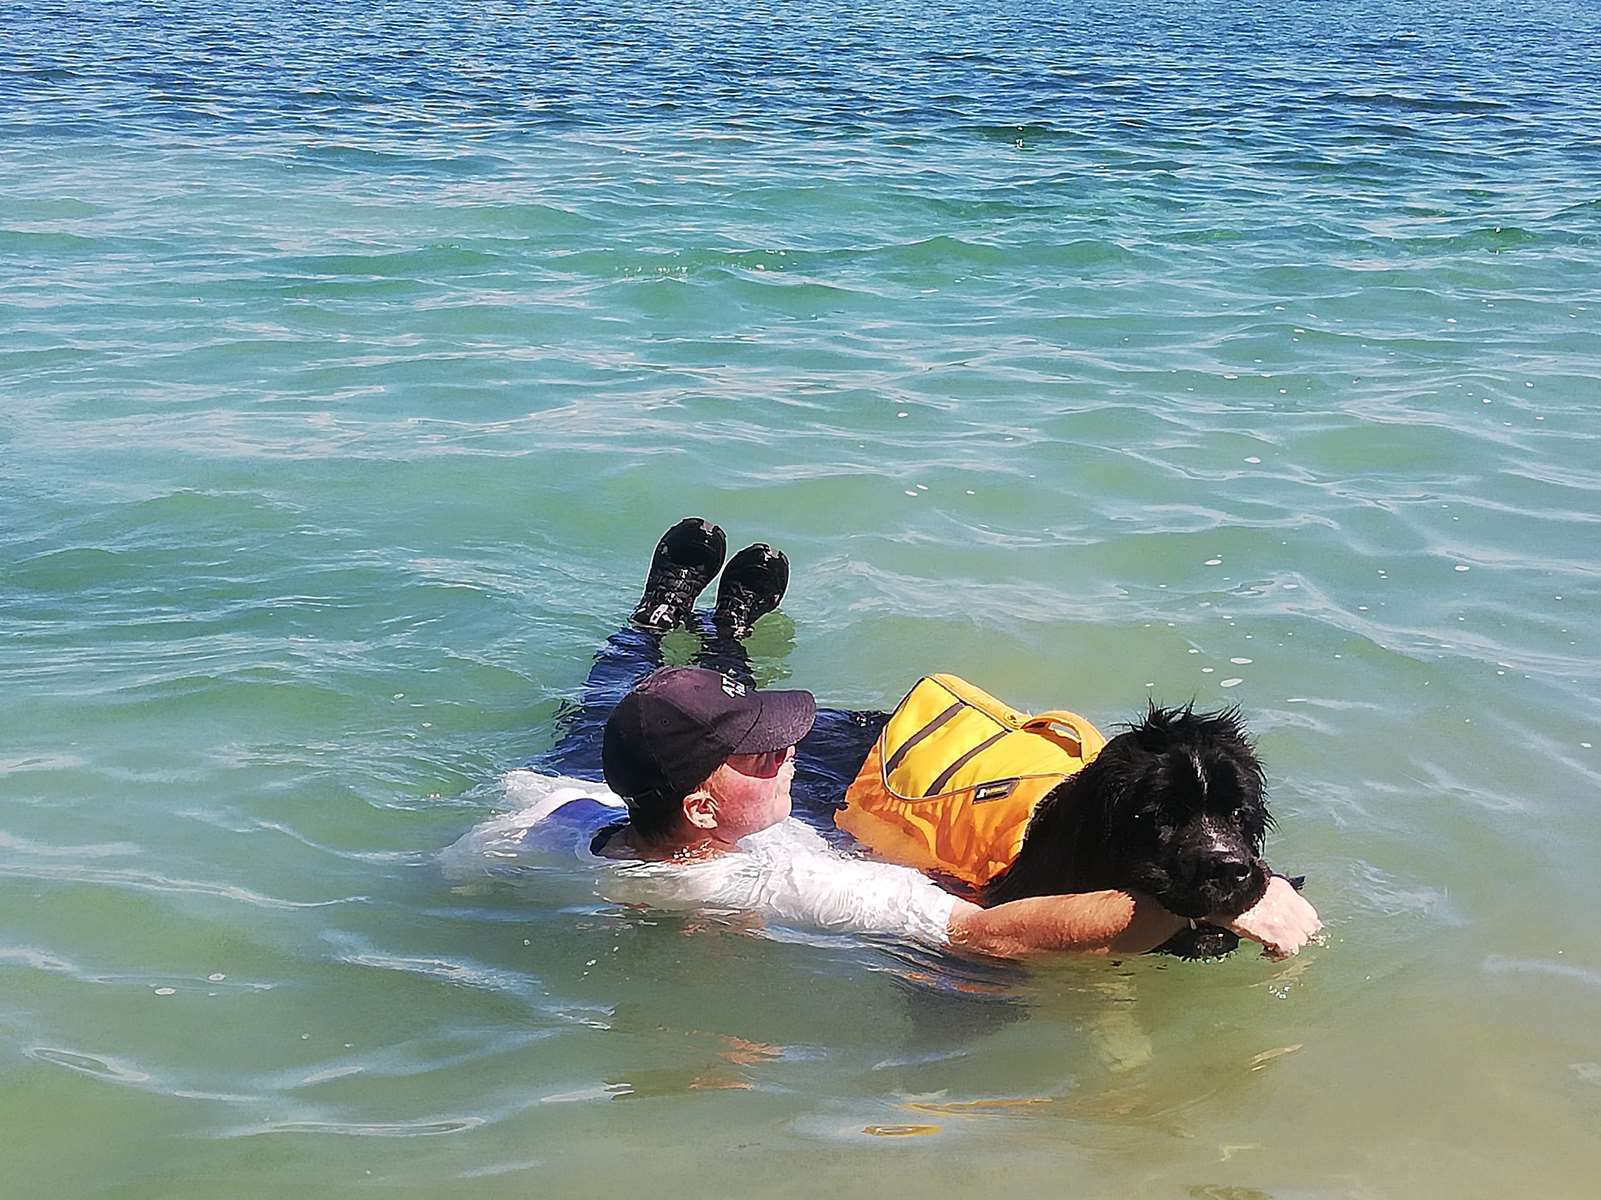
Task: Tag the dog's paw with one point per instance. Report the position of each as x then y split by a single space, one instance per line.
1201 942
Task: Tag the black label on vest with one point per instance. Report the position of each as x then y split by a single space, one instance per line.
993 791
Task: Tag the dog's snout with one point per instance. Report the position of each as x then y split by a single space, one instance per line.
1214 872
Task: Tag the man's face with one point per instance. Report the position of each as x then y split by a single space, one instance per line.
752 792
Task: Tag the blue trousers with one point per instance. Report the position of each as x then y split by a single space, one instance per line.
825 762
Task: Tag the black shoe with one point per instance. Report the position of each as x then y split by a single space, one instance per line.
752 585
686 560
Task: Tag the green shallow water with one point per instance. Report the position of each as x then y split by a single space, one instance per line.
347 380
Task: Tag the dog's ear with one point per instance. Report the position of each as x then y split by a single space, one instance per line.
1231 732
1225 730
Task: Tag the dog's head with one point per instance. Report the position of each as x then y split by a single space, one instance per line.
1184 810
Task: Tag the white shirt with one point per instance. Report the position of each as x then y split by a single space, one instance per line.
786 874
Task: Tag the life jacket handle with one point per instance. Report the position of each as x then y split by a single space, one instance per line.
1064 728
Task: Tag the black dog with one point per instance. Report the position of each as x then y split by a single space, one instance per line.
1173 807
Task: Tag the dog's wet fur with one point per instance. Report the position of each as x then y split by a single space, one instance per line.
1174 807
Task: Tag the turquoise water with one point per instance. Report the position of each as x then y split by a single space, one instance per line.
353 359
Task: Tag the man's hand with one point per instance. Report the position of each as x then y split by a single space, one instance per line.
1281 920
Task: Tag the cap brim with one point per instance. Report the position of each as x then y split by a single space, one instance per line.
784 719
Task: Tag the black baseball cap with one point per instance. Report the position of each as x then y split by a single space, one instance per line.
682 723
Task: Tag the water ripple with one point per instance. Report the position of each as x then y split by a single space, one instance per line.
152 882
384 1129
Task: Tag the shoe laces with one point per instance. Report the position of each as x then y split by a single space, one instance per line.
737 600
678 585
674 588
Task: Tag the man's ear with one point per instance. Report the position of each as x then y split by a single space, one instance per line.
700 809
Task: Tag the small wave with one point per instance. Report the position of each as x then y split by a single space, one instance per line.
1392 896
1497 964
1405 102
39 960
81 850
525 219
376 857
1494 238
1584 207
25 763
1022 135
68 568
944 251
682 263
439 259
27 241
492 1170
386 1129
365 159
795 296
148 882
88 1064
358 953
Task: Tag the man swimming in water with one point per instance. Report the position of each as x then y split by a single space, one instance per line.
709 768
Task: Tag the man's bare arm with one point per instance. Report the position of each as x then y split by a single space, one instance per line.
1115 922
1086 922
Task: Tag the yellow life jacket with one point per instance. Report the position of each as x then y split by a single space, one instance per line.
954 776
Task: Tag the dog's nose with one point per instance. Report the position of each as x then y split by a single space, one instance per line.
1232 871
